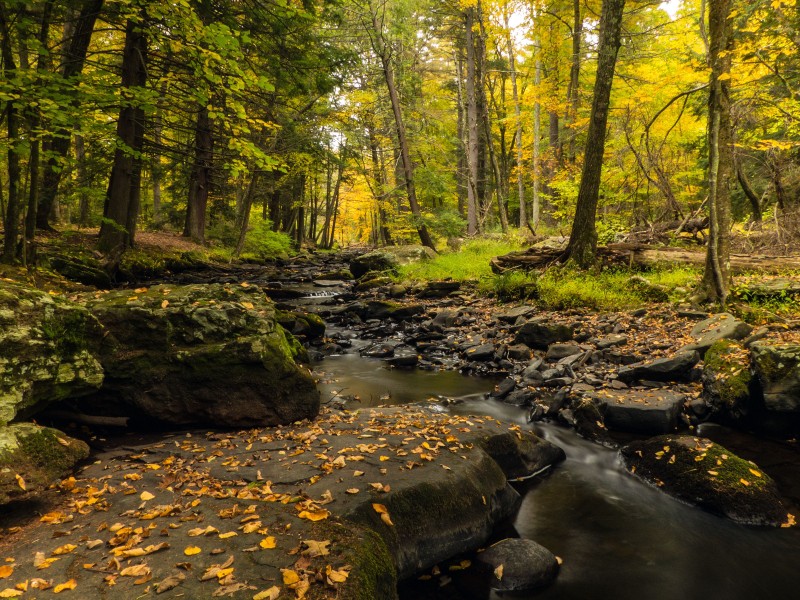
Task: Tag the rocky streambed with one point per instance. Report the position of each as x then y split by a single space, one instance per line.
346 503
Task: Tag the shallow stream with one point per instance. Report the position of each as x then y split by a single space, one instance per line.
618 538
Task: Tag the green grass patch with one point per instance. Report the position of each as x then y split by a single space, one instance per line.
469 263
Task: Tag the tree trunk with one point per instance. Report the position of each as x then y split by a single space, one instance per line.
512 65
200 179
122 197
11 221
583 238
83 182
537 125
382 50
472 126
57 146
574 77
716 277
755 202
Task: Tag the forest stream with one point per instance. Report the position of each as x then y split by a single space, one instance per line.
618 538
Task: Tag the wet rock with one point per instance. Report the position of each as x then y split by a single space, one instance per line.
540 333
672 368
556 382
372 283
511 316
208 354
34 457
616 339
47 351
640 411
723 326
777 367
517 565
307 325
521 397
381 350
727 380
559 351
404 361
587 419
377 261
502 389
481 352
439 289
519 352
447 317
384 309
700 472
397 291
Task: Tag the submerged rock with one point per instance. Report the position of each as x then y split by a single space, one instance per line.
33 457
208 354
700 472
46 351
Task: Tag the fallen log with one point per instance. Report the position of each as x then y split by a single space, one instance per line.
640 255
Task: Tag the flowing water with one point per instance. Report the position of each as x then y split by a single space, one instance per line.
618 538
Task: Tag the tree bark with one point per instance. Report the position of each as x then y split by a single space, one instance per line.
583 238
122 197
57 146
574 77
472 125
12 214
755 201
512 65
716 277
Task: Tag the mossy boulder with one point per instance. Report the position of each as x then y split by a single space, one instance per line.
727 381
700 472
81 268
46 351
308 325
202 354
33 457
777 367
378 261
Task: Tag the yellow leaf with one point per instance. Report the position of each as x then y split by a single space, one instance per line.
135 571
67 585
498 572
223 573
145 496
267 543
270 594
202 531
191 550
336 575
380 508
316 548
6 571
790 522
352 490
141 290
714 473
754 472
314 515
252 526
10 593
164 303
744 481
290 577
20 482
65 549
229 534
248 305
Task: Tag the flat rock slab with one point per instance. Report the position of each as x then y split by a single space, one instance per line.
723 326
388 492
641 411
672 368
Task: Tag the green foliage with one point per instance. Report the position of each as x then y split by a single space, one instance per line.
446 223
264 244
471 263
514 285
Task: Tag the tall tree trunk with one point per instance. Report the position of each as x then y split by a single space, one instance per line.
755 202
583 238
200 179
83 181
716 276
574 78
512 65
122 197
11 221
57 147
379 183
537 126
462 174
472 126
381 49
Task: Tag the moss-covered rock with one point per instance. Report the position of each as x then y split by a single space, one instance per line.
201 354
33 457
46 351
378 261
777 367
308 325
727 380
700 472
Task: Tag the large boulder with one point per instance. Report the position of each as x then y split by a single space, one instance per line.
641 411
722 326
727 381
33 457
201 354
411 253
671 368
46 351
700 472
539 333
518 565
777 367
389 492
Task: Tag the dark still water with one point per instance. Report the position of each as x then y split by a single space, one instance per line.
617 537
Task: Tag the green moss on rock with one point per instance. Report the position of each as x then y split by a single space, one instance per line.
727 380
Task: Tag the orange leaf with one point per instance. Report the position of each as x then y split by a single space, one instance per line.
6 571
67 585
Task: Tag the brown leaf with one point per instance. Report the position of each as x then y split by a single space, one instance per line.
170 582
316 548
135 571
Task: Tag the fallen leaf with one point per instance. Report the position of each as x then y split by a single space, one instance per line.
202 531
314 515
334 576
756 473
67 585
267 543
744 481
790 521
145 496
383 512
192 550
316 548
270 594
229 534
6 571
352 490
65 549
170 582
10 593
498 572
20 482
135 571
